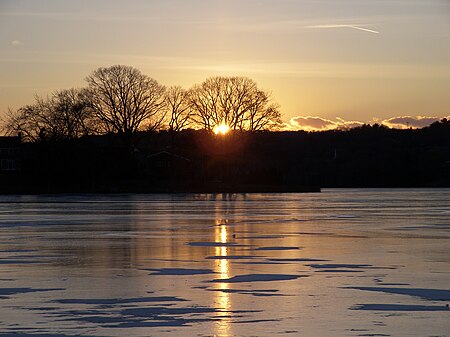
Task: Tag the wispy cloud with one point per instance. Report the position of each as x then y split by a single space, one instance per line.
357 27
17 43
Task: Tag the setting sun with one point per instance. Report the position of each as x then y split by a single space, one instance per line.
221 129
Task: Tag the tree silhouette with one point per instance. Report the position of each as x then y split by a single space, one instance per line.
125 100
234 101
63 115
179 111
262 113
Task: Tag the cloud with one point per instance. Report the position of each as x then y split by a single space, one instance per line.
314 123
17 43
357 27
310 123
343 124
406 122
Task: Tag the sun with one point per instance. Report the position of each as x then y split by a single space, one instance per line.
221 129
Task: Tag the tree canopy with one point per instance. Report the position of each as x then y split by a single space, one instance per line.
179 111
233 101
122 100
65 114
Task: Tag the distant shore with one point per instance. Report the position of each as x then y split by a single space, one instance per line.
142 188
195 161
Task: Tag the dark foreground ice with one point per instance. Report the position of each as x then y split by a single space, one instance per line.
400 307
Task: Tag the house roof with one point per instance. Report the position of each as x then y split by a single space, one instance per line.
167 153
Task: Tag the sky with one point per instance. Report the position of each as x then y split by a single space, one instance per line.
328 63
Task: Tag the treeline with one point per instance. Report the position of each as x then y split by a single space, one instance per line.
366 156
121 100
241 161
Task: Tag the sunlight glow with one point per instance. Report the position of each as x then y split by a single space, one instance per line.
221 129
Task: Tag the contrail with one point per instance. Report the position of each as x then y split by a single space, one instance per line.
345 26
364 29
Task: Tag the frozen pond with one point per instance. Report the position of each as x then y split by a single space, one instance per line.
336 263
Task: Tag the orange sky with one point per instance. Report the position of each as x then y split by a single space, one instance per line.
326 62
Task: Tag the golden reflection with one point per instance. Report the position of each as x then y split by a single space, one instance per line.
222 298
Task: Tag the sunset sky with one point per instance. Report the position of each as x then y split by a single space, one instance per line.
327 62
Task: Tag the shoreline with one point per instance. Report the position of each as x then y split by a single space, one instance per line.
205 189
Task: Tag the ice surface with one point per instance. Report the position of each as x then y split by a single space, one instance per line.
400 307
226 265
232 257
298 259
258 278
428 294
278 248
180 271
255 292
110 301
15 291
212 244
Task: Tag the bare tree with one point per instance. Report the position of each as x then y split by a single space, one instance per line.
72 114
26 121
234 101
63 115
204 99
179 110
125 100
263 114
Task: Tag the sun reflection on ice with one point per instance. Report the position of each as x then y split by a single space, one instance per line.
222 298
